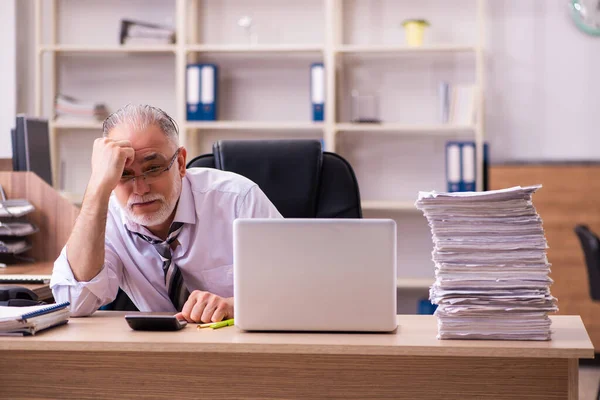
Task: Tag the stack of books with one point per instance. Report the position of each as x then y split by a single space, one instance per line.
491 265
141 33
67 107
23 321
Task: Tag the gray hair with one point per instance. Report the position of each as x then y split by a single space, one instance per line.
139 117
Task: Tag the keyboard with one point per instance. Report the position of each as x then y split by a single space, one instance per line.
29 279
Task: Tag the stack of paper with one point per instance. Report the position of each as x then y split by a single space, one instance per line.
490 265
68 107
140 33
30 320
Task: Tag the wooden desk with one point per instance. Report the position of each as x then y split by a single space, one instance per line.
42 268
101 357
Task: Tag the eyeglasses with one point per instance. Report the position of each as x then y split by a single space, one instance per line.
152 174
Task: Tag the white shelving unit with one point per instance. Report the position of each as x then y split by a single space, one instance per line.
264 87
107 49
407 283
256 126
403 50
256 49
375 205
404 129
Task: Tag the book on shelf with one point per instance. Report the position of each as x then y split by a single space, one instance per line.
25 321
139 32
457 104
68 107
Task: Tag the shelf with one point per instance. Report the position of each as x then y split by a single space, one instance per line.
400 49
374 205
414 283
254 125
403 129
248 49
207 125
70 48
75 124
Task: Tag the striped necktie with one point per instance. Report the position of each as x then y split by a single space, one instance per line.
178 292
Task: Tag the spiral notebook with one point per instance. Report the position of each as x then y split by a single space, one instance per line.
30 320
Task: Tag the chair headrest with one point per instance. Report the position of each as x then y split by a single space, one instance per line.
288 171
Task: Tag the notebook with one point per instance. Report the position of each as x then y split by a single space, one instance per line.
20 321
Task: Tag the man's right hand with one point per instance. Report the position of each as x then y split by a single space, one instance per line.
109 158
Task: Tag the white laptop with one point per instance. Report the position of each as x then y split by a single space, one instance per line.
315 274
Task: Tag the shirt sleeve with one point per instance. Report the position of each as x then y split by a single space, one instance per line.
256 205
87 297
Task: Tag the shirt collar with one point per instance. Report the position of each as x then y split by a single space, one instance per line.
185 212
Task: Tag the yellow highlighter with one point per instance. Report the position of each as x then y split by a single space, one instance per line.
217 325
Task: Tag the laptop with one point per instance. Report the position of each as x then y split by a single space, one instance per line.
315 274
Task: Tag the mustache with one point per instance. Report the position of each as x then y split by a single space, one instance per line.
135 199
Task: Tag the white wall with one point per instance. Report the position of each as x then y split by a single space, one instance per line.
7 75
544 81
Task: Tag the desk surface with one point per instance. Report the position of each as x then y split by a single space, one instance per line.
416 335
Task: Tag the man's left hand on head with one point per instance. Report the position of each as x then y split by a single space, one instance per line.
206 307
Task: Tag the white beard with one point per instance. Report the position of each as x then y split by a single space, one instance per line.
162 214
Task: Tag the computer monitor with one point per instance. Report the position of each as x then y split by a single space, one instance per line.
15 152
31 147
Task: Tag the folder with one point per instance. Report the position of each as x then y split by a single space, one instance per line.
317 91
444 98
201 92
453 166
461 166
486 167
468 167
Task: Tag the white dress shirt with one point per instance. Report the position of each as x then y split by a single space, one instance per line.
209 203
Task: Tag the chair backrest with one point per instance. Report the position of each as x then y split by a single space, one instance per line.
299 178
591 249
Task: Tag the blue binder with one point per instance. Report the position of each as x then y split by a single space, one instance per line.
461 166
468 169
426 307
317 91
453 166
201 92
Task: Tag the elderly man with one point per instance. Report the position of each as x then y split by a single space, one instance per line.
160 232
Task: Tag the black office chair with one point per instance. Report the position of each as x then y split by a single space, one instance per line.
591 249
299 178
